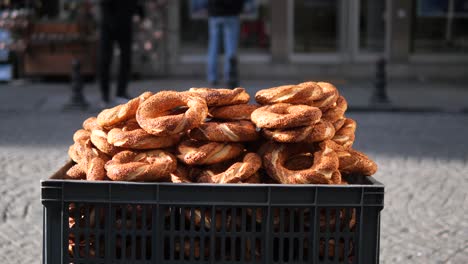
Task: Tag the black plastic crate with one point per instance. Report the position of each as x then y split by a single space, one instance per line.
121 222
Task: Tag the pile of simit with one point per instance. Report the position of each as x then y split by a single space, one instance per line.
298 134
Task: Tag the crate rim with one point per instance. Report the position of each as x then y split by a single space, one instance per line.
56 178
373 184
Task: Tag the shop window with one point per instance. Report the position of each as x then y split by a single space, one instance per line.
440 26
372 26
254 29
316 25
47 8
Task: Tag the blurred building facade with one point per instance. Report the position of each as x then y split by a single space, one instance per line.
49 34
315 38
288 38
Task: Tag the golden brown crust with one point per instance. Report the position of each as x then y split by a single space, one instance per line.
233 112
154 165
81 140
184 174
237 172
131 136
79 149
152 114
293 94
329 97
323 170
96 170
94 161
282 116
220 97
194 152
353 161
89 159
75 172
96 134
81 134
356 163
336 112
123 112
73 153
320 131
99 138
91 124
346 134
236 131
338 124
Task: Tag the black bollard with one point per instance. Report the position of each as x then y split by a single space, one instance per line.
380 91
233 74
77 100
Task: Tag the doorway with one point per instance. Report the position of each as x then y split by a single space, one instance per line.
336 31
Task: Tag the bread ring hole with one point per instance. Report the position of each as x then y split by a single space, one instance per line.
299 162
176 110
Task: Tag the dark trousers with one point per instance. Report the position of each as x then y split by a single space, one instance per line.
122 36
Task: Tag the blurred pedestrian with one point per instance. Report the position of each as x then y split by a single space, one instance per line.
116 28
223 16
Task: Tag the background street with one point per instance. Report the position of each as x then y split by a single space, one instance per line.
422 158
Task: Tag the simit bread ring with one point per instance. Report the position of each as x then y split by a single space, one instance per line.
184 174
91 124
233 112
151 114
329 97
338 124
356 162
154 165
293 94
255 178
81 134
93 162
353 161
75 152
81 145
320 131
96 168
219 97
237 131
300 161
194 152
99 138
285 116
336 112
304 161
324 169
112 116
89 159
132 136
346 135
76 172
237 172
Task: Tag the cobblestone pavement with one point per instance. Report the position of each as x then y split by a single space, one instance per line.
423 161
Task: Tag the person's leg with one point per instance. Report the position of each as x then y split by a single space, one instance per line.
104 61
125 67
231 40
213 46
